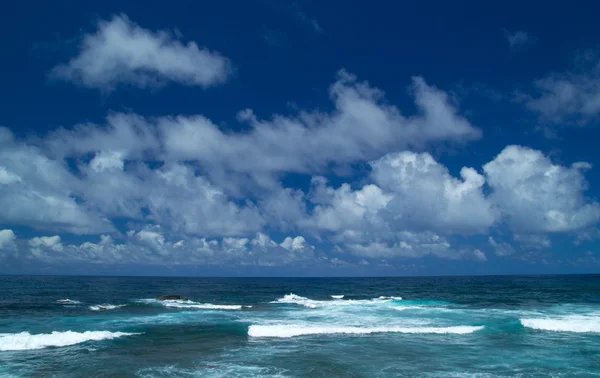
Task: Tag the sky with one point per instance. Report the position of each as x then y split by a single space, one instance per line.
299 138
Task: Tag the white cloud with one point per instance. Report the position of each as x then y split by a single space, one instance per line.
43 247
502 248
150 246
7 177
414 245
42 193
343 209
518 39
571 97
537 196
191 204
295 244
477 255
121 52
412 193
414 203
7 240
533 241
426 197
107 160
360 128
129 135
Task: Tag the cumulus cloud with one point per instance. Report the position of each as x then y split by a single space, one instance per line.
518 39
150 246
7 241
195 192
537 196
427 197
189 202
174 195
411 192
414 204
361 127
46 246
121 52
40 192
413 245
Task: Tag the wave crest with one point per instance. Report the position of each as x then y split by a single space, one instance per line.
286 331
192 305
67 301
27 341
573 323
338 301
105 307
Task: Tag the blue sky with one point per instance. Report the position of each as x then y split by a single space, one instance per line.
299 138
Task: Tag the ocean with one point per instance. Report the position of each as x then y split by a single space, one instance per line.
508 326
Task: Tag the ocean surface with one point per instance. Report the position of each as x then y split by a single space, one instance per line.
303 327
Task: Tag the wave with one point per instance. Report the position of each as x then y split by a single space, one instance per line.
297 299
67 301
105 307
27 341
339 301
571 323
286 331
382 298
192 304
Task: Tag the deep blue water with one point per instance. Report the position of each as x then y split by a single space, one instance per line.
442 327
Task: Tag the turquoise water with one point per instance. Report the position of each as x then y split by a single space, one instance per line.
430 327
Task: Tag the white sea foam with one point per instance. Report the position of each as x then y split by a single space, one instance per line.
67 301
27 341
569 323
291 330
382 298
297 299
105 307
202 306
192 304
339 301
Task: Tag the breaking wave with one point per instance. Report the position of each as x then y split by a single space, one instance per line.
105 307
192 305
27 341
285 331
67 301
571 323
339 301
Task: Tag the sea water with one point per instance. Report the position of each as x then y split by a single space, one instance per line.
301 327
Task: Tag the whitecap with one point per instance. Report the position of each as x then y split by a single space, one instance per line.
291 330
312 303
67 301
569 323
337 296
192 304
202 306
297 299
27 341
383 298
105 307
